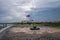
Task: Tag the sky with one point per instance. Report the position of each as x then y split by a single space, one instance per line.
40 10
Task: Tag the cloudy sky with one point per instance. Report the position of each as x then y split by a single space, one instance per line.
40 10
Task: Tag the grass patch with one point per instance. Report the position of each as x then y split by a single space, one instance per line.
31 25
54 26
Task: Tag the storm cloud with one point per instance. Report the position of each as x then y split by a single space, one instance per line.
40 10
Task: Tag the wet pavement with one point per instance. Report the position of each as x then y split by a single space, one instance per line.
27 34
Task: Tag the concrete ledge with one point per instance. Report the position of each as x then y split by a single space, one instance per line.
3 31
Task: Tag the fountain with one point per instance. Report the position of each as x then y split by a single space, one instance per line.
34 27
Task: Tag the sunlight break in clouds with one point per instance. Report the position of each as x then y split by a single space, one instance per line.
13 10
16 9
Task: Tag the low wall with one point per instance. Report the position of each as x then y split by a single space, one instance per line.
3 31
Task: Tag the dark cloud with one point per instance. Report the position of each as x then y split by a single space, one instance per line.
40 10
47 14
